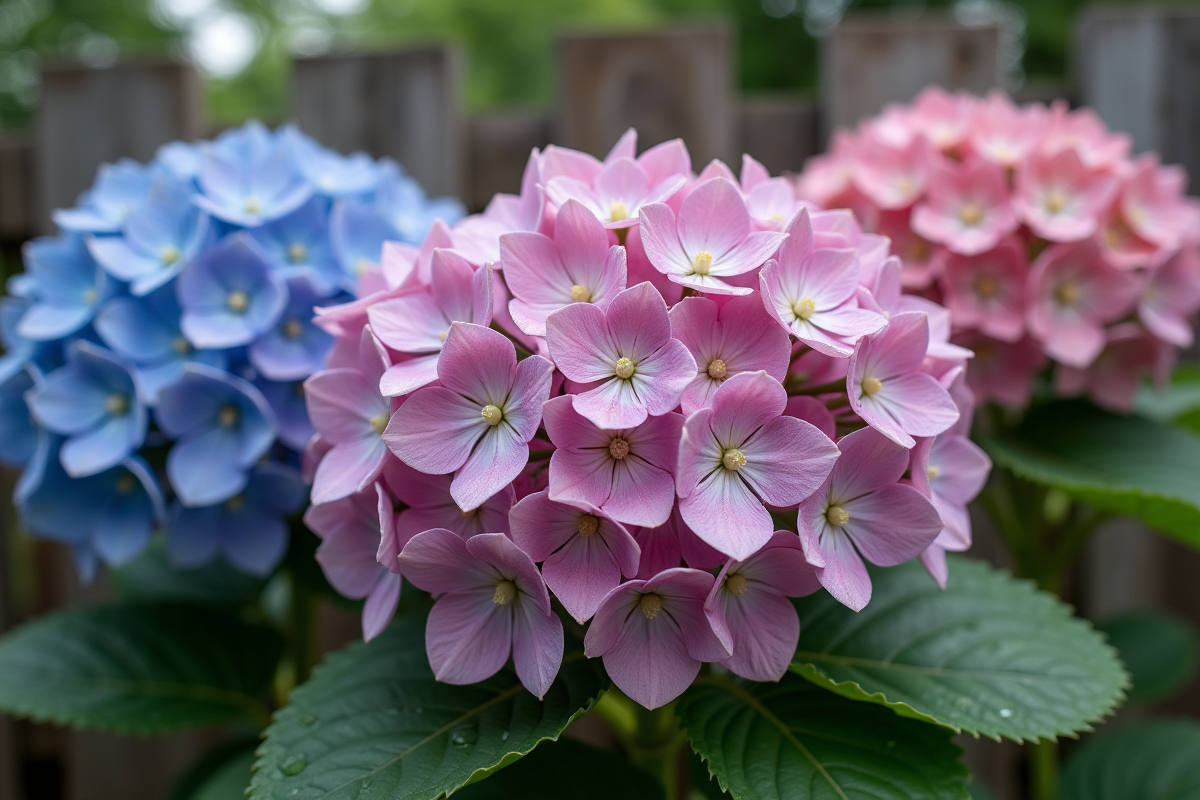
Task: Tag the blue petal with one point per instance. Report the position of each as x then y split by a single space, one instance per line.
358 231
104 446
193 404
291 412
204 469
254 541
193 534
69 401
43 322
123 526
18 434
131 327
295 348
277 488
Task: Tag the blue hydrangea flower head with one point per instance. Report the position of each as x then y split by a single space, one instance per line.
67 287
299 244
229 295
103 208
181 159
329 172
247 178
294 348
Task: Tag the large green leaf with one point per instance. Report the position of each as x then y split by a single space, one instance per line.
373 723
1159 650
138 668
1153 761
546 773
223 773
989 655
792 741
151 576
1127 464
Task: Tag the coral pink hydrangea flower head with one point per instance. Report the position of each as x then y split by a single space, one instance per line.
577 266
887 388
479 421
967 208
653 635
712 238
1172 297
1060 198
812 293
726 340
625 472
665 546
627 349
417 323
492 603
349 414
987 291
1073 292
749 603
863 511
584 552
743 452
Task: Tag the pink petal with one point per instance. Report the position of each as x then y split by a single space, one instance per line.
380 606
467 636
347 557
435 430
660 240
869 462
408 376
413 323
513 563
532 267
726 515
638 321
581 573
349 467
580 344
683 592
781 566
892 525
537 646
437 561
341 403
713 218
641 494
498 458
478 363
844 575
765 629
812 411
530 388
787 460
662 376
660 550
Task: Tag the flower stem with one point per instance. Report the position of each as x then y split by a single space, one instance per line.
655 745
303 632
1043 770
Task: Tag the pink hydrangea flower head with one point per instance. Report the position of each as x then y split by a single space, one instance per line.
891 175
737 336
1002 372
417 323
1172 297
862 511
415 502
887 388
1073 292
967 207
665 546
349 414
1060 198
626 348
584 551
653 635
740 453
479 421
625 472
1002 133
749 603
812 293
987 291
712 238
577 266
492 603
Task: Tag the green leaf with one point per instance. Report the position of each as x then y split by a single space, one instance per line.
1126 464
133 668
792 741
1179 401
1159 650
222 773
152 577
373 723
542 775
1152 761
989 655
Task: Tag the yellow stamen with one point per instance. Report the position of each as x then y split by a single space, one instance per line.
297 252
932 471
837 516
618 448
625 368
1056 201
580 294
379 423
182 346
702 263
442 335
228 417
734 459
252 205
587 525
169 255
238 301
617 211
491 414
918 250
235 504
717 369
89 296
871 386
116 404
971 214
506 591
986 286
736 584
1066 293
292 329
804 308
126 484
650 605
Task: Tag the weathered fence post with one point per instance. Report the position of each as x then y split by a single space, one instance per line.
16 188
675 82
869 60
403 104
781 132
500 143
8 755
87 117
1140 69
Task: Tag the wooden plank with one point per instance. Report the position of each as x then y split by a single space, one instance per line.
16 187
500 144
8 740
870 60
402 104
1139 68
669 83
87 117
781 132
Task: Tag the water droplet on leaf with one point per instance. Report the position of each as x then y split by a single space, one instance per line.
294 765
1006 712
308 721
504 736
464 735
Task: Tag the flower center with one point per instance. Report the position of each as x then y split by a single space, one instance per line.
625 368
717 369
580 294
181 346
618 448
932 472
971 214
228 417
986 286
650 605
252 205
379 423
587 525
1056 201
89 296
736 584
617 211
871 386
837 516
361 266
1066 293
238 301
235 504
702 263
297 252
506 591
126 484
491 414
918 249
292 329
116 404
169 255
804 308
734 459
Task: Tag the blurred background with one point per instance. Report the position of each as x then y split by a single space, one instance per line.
459 91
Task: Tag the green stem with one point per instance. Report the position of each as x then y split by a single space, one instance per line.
1043 770
655 745
303 638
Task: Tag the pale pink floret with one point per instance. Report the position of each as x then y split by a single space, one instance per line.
950 470
743 452
922 259
863 512
653 635
667 545
1002 133
725 340
987 291
349 414
1085 133
417 323
577 266
812 293
967 208
415 502
942 118
625 472
492 602
1112 380
349 533
1073 292
891 175
583 552
479 421
1152 203
627 349
712 238
749 603
770 201
887 388
886 297
1060 198
1002 372
1172 298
